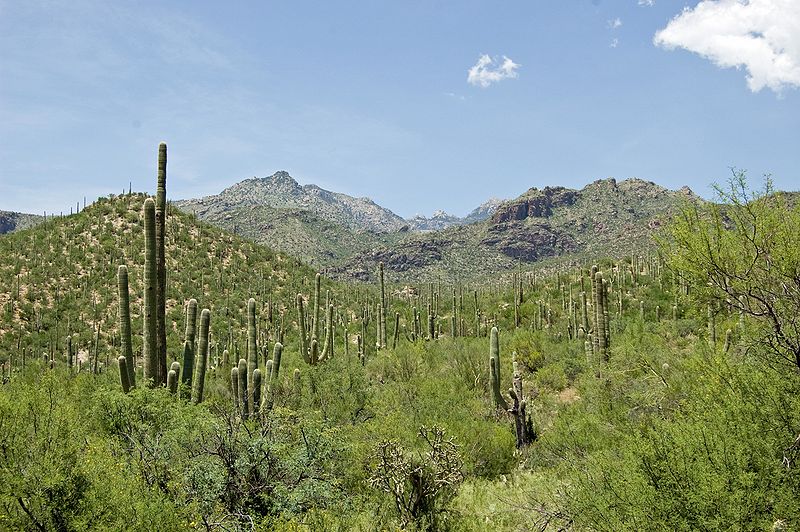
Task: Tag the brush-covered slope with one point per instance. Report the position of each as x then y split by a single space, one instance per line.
59 278
16 221
605 218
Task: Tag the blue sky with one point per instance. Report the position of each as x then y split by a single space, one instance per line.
376 98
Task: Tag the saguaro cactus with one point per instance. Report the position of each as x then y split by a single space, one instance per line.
301 325
256 390
315 322
150 349
125 322
243 390
382 322
494 369
123 374
252 347
202 357
161 269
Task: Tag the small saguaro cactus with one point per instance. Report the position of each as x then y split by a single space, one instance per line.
202 357
150 347
494 369
172 381
123 374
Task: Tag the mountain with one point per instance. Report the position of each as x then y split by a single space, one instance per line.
349 236
441 220
605 218
281 191
15 221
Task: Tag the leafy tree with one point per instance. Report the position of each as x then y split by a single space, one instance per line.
744 254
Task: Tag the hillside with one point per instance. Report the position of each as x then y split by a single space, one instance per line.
59 278
604 218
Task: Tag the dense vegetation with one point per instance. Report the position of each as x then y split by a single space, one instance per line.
662 390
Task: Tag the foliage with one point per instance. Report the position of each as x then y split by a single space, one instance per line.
744 254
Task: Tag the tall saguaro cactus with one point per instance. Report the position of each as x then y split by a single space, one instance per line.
125 322
150 349
301 324
382 335
252 347
161 268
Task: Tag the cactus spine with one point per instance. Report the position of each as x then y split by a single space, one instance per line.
494 369
202 357
150 348
161 269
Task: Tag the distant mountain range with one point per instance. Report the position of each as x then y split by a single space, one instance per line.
348 236
15 221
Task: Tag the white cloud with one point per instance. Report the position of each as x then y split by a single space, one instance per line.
614 43
763 36
490 70
614 24
648 3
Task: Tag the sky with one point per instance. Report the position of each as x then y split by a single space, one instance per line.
420 104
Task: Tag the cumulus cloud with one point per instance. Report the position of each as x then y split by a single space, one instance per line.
614 24
763 36
490 70
648 3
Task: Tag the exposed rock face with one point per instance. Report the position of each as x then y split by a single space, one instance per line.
14 221
534 204
529 243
